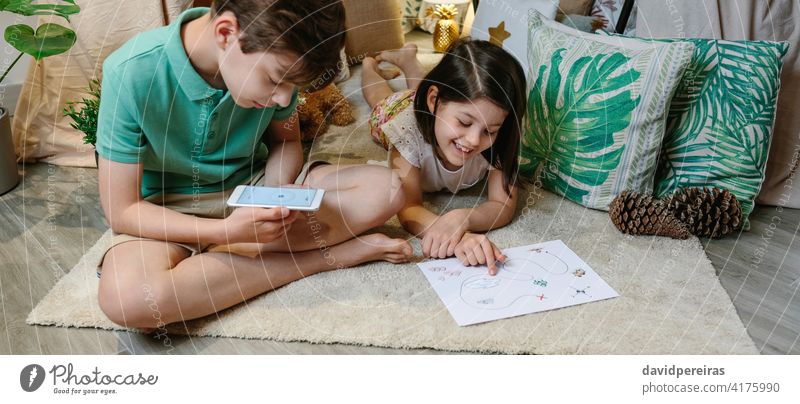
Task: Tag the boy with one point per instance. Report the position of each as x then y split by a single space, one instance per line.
184 114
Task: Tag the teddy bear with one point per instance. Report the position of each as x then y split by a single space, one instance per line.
318 109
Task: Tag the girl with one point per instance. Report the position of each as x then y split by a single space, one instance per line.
448 131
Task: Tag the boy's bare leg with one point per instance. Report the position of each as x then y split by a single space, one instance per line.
147 282
406 59
357 198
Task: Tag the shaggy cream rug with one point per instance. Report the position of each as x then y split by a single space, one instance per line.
671 301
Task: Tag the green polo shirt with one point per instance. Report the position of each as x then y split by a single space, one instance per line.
155 109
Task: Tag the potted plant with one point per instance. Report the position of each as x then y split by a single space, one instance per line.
47 40
84 114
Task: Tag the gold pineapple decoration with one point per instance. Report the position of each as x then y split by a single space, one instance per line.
446 31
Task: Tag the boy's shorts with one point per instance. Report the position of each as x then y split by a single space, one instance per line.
385 110
209 205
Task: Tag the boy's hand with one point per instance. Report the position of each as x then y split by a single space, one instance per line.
257 225
441 238
476 249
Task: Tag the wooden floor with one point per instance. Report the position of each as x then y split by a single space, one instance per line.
760 270
54 216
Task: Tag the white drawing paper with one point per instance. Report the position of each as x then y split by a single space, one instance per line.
534 278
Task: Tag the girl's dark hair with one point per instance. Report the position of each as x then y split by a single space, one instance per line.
471 69
311 29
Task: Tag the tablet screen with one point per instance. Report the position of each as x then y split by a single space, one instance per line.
301 197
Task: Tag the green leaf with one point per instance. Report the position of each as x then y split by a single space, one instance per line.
48 40
26 7
572 120
701 73
723 123
84 113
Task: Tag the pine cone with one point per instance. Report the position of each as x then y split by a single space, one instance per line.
707 212
633 213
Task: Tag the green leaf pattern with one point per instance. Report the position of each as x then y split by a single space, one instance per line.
29 8
567 121
410 12
597 111
721 119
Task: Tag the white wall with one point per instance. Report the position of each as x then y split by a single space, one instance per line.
12 84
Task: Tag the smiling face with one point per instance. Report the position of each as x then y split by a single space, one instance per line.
463 130
258 79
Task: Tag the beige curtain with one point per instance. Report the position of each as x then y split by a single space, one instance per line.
40 131
774 20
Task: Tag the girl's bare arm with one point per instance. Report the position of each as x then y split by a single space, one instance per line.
499 208
414 217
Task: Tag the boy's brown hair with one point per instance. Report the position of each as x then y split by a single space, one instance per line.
310 29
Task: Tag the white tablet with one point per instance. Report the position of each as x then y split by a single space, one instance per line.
306 199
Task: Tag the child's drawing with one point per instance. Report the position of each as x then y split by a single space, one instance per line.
512 283
540 259
540 282
582 291
533 278
444 272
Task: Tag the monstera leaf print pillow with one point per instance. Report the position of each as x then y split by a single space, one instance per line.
720 120
597 108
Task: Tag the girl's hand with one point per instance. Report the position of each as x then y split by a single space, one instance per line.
476 249
257 225
441 238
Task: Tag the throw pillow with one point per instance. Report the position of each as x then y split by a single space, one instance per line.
505 23
585 23
343 67
410 11
575 7
720 120
372 27
610 10
597 109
